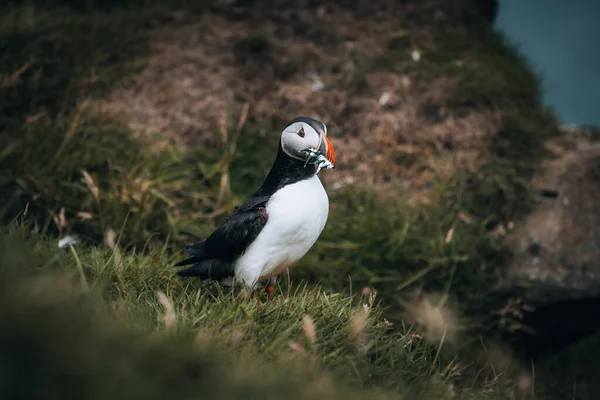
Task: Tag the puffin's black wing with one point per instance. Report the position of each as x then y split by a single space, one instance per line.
214 256
236 234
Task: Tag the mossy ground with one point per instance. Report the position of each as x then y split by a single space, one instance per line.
132 204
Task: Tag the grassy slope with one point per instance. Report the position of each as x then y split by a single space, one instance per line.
118 337
56 59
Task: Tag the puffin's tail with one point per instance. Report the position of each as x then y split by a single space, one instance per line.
215 268
197 250
203 265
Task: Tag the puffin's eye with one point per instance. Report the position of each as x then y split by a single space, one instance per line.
301 132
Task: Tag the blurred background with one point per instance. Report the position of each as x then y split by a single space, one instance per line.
460 258
559 43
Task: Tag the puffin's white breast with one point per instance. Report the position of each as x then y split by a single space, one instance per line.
297 216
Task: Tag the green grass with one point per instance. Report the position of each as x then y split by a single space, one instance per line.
96 317
45 172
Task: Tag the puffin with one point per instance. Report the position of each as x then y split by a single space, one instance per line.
272 230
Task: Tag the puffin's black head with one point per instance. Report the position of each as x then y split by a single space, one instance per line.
303 134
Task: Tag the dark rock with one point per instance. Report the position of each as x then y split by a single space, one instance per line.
557 247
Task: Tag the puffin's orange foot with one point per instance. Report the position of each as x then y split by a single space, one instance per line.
270 290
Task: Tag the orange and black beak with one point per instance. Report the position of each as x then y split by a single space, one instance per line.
327 150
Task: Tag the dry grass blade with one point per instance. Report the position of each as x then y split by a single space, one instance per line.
437 320
83 280
309 329
358 323
91 184
110 239
74 124
60 220
169 316
236 336
224 188
203 338
243 118
223 129
85 216
449 235
72 129
297 348
12 80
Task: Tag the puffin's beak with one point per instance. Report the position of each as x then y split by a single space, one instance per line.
327 150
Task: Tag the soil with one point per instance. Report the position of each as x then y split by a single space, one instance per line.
390 128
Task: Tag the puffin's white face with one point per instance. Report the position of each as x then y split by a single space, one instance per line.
300 136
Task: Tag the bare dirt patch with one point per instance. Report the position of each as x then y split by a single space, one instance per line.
388 126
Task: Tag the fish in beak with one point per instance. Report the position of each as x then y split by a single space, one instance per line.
324 157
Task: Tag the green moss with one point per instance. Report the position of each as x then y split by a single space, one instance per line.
523 134
491 73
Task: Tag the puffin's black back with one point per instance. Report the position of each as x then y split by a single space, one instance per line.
285 171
